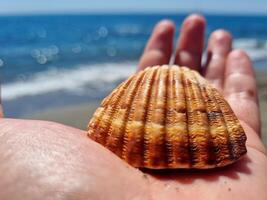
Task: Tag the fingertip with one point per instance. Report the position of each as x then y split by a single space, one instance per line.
191 41
219 46
161 36
166 23
221 38
159 47
239 73
221 35
195 18
239 61
193 27
163 28
239 54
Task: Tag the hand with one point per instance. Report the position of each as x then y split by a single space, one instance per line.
45 160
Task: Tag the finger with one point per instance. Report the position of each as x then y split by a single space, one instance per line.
190 44
159 47
240 88
220 44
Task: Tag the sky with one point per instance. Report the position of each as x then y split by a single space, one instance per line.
11 7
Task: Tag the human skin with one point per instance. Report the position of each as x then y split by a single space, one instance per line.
47 160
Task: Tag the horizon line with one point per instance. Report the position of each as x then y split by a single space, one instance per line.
144 12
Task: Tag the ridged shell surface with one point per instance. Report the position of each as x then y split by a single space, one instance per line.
168 117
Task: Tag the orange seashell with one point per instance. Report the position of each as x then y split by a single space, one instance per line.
168 117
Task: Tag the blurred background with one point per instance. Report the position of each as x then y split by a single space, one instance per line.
59 58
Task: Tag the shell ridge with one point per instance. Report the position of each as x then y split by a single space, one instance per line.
161 97
113 110
145 142
177 133
104 102
147 118
236 150
108 98
169 95
221 144
114 116
188 88
215 153
189 142
223 156
114 96
132 95
128 118
212 155
167 153
203 146
230 144
173 83
155 126
197 122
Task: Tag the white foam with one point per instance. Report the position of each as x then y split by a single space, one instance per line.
98 76
71 80
256 49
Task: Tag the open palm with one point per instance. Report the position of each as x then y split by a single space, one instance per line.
46 160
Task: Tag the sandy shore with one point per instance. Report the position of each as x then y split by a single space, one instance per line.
76 116
79 115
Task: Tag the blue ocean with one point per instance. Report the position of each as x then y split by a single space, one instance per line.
50 61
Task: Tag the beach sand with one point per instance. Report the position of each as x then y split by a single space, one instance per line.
78 115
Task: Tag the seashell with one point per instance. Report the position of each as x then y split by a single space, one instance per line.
168 117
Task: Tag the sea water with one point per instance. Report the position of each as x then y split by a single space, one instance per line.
57 60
